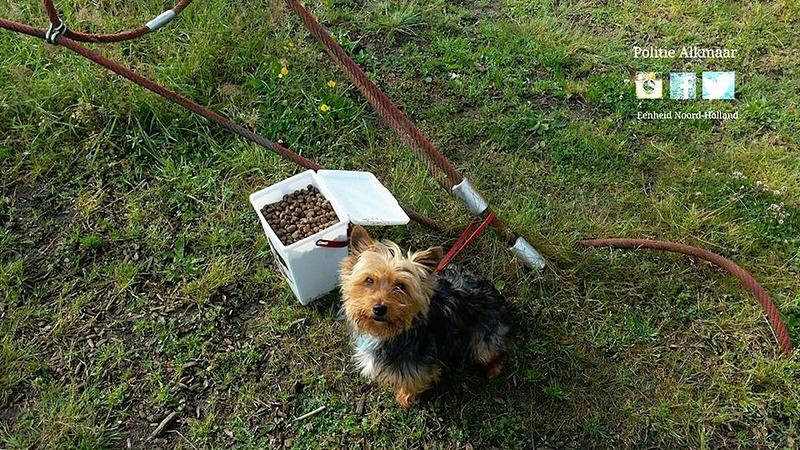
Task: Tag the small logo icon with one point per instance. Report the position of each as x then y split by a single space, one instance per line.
682 85
719 85
648 85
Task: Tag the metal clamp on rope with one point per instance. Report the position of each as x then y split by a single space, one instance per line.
527 254
55 31
161 20
470 197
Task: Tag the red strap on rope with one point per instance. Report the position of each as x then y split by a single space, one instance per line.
466 238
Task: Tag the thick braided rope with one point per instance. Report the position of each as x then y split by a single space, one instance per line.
421 147
752 285
52 14
407 130
185 102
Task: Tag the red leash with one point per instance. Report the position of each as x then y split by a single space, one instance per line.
466 238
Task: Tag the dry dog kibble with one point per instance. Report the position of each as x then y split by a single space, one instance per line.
299 215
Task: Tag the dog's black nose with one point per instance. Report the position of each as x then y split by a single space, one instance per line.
379 310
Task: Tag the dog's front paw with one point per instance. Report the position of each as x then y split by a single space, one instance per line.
494 368
405 398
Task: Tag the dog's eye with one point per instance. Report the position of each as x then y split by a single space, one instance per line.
400 287
369 281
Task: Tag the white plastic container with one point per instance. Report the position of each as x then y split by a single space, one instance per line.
358 197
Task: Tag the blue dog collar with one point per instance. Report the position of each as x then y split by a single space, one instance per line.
366 342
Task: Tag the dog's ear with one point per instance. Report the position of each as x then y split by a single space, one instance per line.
359 240
429 258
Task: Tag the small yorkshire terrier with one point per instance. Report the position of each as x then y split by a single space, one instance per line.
407 323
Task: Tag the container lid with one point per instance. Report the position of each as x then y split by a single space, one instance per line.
365 199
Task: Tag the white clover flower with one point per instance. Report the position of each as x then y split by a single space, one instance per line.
739 176
778 212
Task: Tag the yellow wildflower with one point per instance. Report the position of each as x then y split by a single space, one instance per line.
291 45
284 72
324 108
331 84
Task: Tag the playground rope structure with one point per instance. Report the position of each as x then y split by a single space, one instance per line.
439 167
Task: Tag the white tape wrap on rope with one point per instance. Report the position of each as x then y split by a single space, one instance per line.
470 197
161 20
527 254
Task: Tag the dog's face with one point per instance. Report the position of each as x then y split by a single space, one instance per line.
383 290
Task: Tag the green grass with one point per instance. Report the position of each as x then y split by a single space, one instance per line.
135 279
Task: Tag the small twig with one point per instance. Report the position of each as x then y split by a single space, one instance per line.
164 424
184 438
309 414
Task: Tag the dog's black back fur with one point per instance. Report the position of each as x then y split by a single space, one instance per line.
463 311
